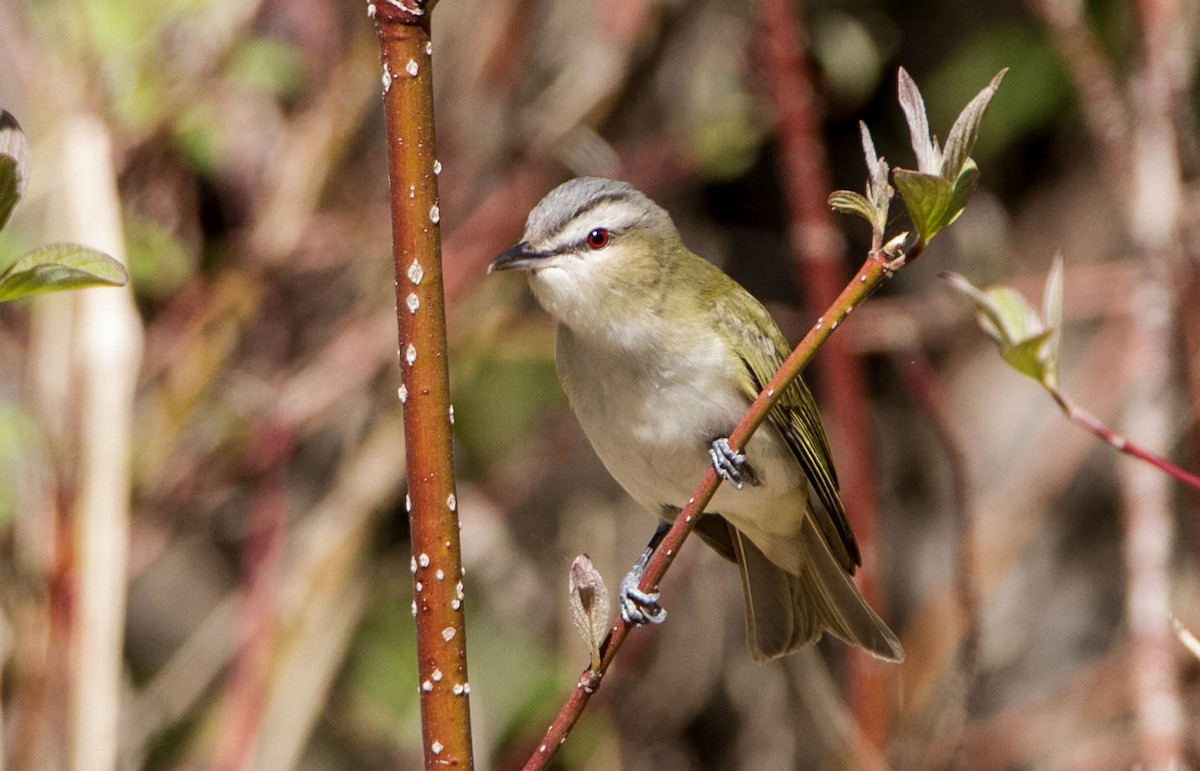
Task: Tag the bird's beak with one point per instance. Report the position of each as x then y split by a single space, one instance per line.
518 257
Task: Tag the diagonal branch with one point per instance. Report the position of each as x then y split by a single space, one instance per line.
1090 422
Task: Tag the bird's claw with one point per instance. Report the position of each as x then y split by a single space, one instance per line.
637 607
727 462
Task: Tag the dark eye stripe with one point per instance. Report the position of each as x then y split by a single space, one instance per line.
592 203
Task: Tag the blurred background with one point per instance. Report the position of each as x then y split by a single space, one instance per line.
250 606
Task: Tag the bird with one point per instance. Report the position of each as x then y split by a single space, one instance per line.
660 354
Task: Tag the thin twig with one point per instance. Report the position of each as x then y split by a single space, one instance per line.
406 55
878 267
1087 420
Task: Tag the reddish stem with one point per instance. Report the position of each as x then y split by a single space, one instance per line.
406 54
1082 417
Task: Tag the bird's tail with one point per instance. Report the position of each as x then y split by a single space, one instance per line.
785 611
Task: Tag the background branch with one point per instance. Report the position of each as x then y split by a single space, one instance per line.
817 248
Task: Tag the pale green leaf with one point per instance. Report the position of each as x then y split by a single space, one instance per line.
1018 318
990 320
1025 342
56 267
1028 357
849 202
1052 310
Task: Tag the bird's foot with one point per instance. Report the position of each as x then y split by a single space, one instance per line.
729 464
638 607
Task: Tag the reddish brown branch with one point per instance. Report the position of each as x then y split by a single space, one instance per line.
818 246
406 55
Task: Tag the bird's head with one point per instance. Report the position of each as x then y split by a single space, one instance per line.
594 249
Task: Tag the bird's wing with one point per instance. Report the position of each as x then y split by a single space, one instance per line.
750 329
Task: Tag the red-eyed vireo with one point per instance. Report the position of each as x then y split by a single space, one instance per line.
660 354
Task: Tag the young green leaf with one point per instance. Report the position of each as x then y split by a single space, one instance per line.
964 187
928 198
938 191
14 165
849 202
55 267
1052 308
1017 317
1026 342
1028 356
965 131
873 207
989 317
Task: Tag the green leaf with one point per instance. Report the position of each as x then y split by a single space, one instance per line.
1028 357
1026 343
56 267
14 165
933 203
849 202
965 131
1018 320
989 317
927 197
964 188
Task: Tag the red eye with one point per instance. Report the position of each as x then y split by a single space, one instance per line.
598 238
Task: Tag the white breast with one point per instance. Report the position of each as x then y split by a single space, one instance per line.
652 418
